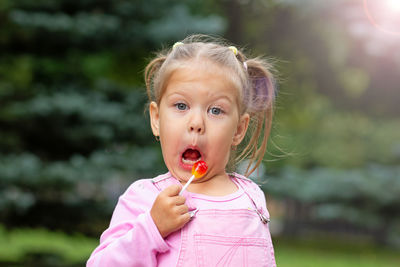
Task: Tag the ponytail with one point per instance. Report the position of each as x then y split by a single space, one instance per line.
259 102
150 72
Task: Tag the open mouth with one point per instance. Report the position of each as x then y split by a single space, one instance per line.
190 156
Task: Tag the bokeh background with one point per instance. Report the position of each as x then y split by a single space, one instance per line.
74 132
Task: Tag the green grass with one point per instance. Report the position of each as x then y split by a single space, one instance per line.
41 247
18 244
333 252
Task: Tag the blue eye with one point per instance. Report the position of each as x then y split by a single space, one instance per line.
215 111
181 106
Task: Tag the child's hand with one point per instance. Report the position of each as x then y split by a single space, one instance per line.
169 211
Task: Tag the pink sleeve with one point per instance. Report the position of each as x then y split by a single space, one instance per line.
132 238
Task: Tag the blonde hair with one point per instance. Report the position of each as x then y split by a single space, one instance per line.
252 76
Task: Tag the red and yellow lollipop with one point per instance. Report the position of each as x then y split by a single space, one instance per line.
198 170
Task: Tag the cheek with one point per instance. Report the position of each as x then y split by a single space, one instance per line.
222 142
167 121
170 132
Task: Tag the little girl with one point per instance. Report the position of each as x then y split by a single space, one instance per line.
204 98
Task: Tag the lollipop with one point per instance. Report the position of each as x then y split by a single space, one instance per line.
198 170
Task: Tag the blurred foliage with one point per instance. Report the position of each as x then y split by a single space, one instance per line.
77 194
73 130
332 251
368 197
74 122
316 134
40 247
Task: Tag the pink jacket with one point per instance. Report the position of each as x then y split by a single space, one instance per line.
231 230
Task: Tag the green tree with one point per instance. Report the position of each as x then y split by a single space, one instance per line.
73 134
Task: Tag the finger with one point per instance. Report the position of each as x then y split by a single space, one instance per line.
179 200
172 190
182 209
185 218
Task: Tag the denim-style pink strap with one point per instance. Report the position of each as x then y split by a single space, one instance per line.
248 187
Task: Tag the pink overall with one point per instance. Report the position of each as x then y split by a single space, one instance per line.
224 231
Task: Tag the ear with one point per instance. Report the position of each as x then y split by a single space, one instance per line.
154 118
241 129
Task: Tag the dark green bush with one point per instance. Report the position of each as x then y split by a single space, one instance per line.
368 197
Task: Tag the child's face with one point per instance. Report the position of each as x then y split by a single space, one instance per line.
198 118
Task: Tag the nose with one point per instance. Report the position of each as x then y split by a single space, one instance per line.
196 123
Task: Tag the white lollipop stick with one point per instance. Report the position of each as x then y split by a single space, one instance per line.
186 185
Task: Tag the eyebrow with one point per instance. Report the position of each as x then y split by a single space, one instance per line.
212 97
175 93
223 97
